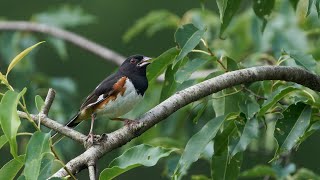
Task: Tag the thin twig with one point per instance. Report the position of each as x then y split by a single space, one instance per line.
48 102
61 162
92 172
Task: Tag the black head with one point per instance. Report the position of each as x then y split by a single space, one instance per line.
135 65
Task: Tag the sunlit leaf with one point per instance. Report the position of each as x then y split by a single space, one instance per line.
196 144
152 22
263 8
187 37
294 124
11 168
3 140
160 63
250 132
274 98
191 66
259 171
19 57
39 102
65 16
141 155
38 146
305 60
9 118
227 9
199 177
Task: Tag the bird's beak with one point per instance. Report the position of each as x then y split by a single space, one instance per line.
145 61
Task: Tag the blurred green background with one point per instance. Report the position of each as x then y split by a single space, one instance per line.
75 75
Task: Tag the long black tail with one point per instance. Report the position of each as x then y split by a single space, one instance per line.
56 137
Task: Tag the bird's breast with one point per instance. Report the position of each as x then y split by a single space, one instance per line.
122 103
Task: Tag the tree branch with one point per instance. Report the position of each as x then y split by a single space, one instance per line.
52 124
183 98
80 41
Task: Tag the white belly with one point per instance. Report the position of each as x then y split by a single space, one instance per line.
122 104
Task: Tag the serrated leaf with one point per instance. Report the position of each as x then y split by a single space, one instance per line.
19 57
305 60
263 8
152 22
225 167
160 63
274 98
65 16
294 124
191 66
38 146
39 102
227 9
250 132
3 140
141 155
187 37
9 118
11 168
196 145
259 171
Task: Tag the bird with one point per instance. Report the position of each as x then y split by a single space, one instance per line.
116 95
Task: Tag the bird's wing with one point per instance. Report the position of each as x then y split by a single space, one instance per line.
111 86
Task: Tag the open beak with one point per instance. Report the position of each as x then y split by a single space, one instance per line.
145 61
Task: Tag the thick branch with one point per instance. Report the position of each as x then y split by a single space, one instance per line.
75 135
183 98
80 41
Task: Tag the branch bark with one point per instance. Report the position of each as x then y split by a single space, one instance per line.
183 98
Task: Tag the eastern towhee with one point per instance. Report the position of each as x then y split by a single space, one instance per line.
117 94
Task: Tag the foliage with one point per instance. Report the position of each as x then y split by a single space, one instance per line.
272 118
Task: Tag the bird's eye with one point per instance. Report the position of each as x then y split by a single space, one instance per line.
133 61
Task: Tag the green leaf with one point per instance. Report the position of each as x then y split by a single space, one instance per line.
202 108
263 8
160 63
196 145
141 155
259 171
294 124
312 129
226 101
294 3
191 66
3 140
46 166
187 37
9 118
39 102
19 57
37 148
65 16
317 4
305 60
152 22
250 132
60 46
11 168
225 167
305 174
222 139
199 177
309 7
227 9
274 98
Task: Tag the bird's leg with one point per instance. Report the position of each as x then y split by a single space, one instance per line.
125 121
90 135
